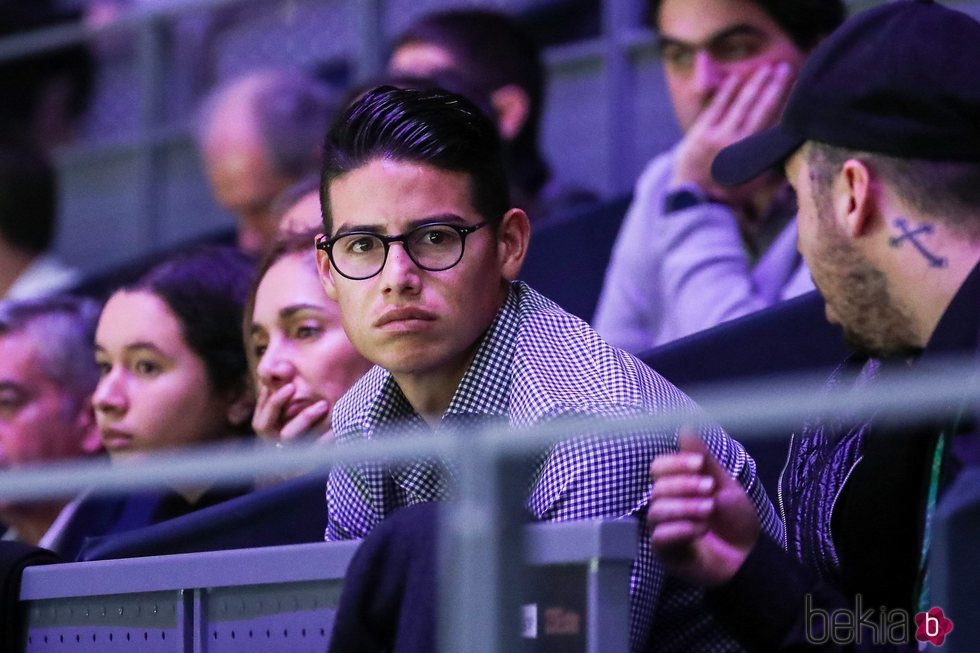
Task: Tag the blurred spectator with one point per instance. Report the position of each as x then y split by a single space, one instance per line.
300 356
499 58
47 375
258 135
299 207
691 254
44 94
173 370
28 217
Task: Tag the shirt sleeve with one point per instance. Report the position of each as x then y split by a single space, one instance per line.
705 272
671 275
627 314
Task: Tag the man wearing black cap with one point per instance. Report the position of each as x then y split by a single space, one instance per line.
881 141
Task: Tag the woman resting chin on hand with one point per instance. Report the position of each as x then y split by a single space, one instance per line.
301 359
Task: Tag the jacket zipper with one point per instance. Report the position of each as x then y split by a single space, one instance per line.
779 490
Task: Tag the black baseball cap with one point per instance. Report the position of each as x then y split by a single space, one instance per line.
902 79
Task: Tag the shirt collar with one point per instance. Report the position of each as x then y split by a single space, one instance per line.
483 391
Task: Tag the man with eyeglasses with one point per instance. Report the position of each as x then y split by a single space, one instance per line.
691 253
421 251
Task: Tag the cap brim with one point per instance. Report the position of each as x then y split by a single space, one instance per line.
750 157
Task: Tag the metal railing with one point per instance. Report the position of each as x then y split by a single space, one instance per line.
139 174
629 120
276 598
484 525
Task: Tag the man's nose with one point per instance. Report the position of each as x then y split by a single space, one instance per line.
400 273
707 74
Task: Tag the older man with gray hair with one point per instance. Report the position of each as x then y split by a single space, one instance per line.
258 135
47 375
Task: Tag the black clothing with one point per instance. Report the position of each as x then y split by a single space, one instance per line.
876 514
14 558
389 600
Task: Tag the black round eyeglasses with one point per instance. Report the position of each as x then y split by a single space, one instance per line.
362 254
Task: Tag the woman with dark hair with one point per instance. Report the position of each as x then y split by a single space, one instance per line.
301 359
173 367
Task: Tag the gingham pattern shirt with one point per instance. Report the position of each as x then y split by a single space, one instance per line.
538 363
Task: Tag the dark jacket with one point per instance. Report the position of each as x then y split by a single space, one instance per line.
853 497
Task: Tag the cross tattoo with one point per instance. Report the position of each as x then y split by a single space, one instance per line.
910 234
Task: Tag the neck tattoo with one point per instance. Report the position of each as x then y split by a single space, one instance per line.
910 234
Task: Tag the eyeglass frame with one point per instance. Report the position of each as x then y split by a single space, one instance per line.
326 244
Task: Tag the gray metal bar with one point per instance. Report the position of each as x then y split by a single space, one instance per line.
286 564
51 38
609 630
289 581
620 119
371 45
468 572
580 541
752 406
152 79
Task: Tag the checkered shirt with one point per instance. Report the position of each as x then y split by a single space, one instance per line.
536 364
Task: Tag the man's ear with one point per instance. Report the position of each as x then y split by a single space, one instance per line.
512 106
326 274
855 198
513 238
91 439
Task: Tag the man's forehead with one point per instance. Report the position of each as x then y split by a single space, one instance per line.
390 196
20 360
701 21
421 59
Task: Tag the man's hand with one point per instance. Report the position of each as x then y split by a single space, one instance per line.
743 105
702 523
272 422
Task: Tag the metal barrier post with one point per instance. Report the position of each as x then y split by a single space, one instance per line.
152 45
483 551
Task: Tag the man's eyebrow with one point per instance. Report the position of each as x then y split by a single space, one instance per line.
439 218
442 218
349 228
739 29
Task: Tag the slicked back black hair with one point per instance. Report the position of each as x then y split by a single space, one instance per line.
431 127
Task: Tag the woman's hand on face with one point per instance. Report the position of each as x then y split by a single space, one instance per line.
269 419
